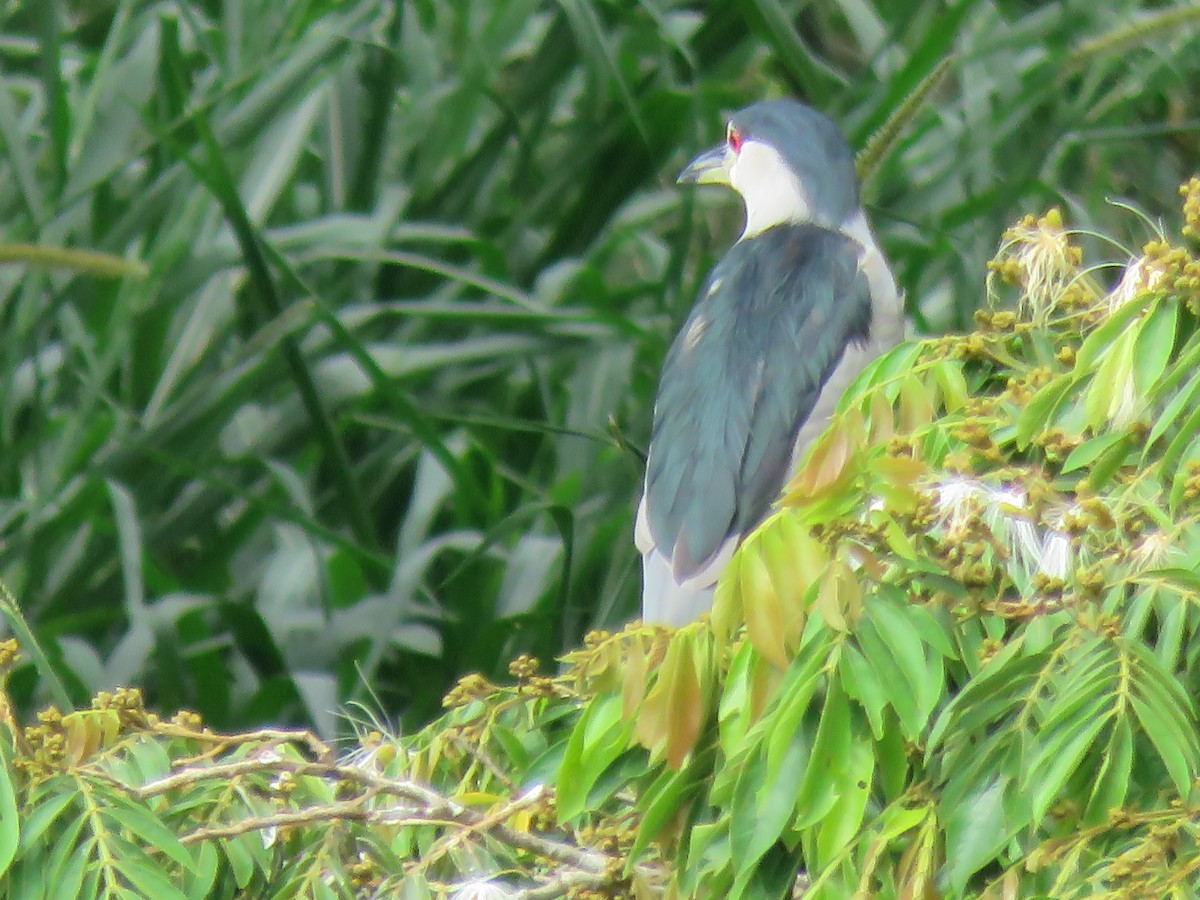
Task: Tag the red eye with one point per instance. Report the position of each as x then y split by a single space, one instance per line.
734 139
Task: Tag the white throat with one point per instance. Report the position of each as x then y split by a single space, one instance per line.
769 188
773 195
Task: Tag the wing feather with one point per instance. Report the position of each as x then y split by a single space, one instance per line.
740 380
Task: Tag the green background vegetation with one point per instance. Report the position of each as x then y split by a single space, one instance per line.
329 337
365 414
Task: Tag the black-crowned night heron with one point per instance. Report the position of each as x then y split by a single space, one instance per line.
784 322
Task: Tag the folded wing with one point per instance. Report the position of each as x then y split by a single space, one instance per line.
773 321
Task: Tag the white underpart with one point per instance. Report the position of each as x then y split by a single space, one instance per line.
773 195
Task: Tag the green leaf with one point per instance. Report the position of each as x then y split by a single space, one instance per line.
1167 740
1187 398
1161 688
1188 429
763 806
147 828
733 711
952 384
791 705
10 828
1059 756
69 854
599 737
241 855
1110 462
1039 411
854 790
201 880
861 683
1099 341
1154 344
828 761
906 646
659 804
708 851
1112 781
991 694
1112 384
934 632
976 831
149 878
1086 453
897 684
67 884
42 817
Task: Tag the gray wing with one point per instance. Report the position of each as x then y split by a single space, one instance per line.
740 380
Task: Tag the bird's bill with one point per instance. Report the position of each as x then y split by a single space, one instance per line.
710 167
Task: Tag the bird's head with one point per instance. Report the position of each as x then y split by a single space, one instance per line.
789 162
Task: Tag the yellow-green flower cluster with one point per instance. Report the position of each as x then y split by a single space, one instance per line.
45 744
10 652
1191 207
471 686
1178 272
127 703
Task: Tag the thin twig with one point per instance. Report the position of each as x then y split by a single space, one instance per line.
431 805
340 812
497 817
222 742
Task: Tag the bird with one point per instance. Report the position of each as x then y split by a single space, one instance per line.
785 320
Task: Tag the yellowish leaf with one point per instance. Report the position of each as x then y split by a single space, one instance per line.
829 460
650 729
764 682
899 469
478 799
952 386
883 417
633 691
916 404
765 620
850 594
686 710
704 659
828 602
807 559
727 605
778 548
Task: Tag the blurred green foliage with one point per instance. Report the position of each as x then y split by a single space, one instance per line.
960 661
370 416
